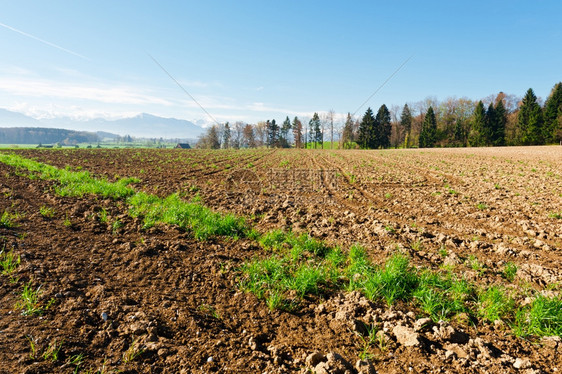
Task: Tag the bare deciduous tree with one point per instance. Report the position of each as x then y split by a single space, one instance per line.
261 133
331 118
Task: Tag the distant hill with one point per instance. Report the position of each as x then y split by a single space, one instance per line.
106 135
149 126
141 126
36 135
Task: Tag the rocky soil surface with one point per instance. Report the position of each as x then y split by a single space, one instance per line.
158 301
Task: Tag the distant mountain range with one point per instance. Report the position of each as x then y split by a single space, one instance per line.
141 126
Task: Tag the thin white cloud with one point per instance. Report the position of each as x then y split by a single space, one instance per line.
79 96
104 94
47 98
74 112
44 41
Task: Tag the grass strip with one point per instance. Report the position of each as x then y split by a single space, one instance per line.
191 216
298 267
543 317
71 183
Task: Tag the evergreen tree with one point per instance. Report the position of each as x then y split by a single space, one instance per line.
311 129
297 132
373 137
498 132
459 134
490 124
226 136
347 134
285 128
366 128
552 114
315 129
406 123
383 127
272 133
477 134
319 133
530 120
428 134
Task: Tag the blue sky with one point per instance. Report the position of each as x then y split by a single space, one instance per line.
257 60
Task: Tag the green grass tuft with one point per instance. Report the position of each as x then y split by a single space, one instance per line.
509 271
29 301
8 220
46 211
300 266
9 262
495 303
52 351
190 216
273 239
395 281
542 318
441 296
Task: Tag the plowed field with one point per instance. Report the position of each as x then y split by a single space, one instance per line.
131 299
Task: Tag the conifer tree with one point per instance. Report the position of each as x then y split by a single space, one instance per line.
285 128
428 135
315 133
406 123
383 128
373 138
308 134
490 124
477 134
347 134
226 136
498 132
272 133
530 120
553 114
366 128
319 132
459 134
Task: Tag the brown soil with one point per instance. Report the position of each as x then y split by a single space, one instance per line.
177 298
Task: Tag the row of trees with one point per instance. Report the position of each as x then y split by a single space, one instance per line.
266 133
374 132
36 135
493 121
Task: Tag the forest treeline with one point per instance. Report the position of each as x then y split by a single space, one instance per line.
37 135
497 120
